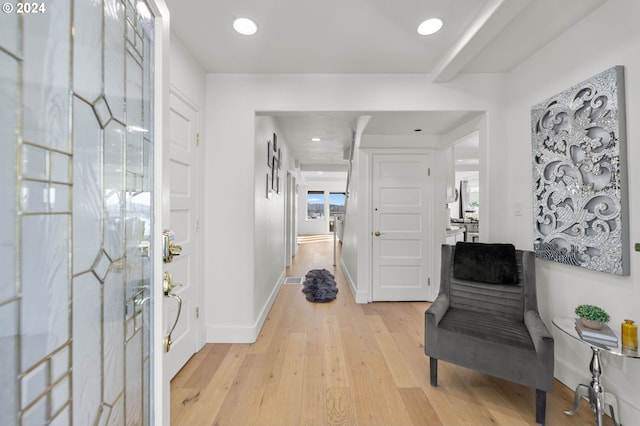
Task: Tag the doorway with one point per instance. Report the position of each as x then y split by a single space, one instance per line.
464 212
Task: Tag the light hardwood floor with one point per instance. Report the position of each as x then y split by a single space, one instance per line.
341 363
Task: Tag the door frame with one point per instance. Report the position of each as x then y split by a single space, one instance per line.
160 411
366 228
289 217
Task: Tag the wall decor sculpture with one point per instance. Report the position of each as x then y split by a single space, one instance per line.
579 175
274 163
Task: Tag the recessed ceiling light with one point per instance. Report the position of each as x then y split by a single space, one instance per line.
245 26
315 139
430 26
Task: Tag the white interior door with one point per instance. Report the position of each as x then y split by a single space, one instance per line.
401 194
182 148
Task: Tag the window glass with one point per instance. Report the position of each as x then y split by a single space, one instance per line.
336 204
315 204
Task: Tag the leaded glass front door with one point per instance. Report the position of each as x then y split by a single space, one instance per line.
76 179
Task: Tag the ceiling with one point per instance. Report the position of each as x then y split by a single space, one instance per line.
368 36
335 131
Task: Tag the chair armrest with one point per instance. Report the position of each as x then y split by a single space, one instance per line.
542 338
437 309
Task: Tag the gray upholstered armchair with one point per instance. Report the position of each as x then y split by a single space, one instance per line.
486 318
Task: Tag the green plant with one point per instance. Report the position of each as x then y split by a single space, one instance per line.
592 313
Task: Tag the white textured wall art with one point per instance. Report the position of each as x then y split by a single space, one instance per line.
579 175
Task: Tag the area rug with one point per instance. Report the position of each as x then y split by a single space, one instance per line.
319 286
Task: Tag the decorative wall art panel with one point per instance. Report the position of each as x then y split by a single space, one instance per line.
579 175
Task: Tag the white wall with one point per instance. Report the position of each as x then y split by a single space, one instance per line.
609 36
350 252
269 223
186 74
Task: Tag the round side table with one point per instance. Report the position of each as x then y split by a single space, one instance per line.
594 392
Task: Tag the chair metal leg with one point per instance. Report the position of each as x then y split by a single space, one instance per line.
433 370
541 406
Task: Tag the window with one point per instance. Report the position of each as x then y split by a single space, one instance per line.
336 204
315 204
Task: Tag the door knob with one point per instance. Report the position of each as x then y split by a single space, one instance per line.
377 233
169 247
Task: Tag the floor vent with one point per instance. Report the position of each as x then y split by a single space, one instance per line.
293 280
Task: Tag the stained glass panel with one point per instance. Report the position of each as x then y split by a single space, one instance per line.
83 191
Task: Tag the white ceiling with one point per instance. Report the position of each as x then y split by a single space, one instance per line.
368 36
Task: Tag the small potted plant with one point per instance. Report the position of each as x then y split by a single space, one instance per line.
592 316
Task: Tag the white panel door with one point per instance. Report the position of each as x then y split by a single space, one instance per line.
401 194
182 147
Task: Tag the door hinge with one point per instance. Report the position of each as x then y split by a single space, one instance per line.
428 282
429 171
197 139
197 312
197 225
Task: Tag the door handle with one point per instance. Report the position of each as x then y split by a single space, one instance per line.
377 233
167 286
169 247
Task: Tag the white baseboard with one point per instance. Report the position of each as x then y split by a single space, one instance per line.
358 296
230 334
244 333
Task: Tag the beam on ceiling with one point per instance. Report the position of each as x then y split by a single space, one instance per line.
490 21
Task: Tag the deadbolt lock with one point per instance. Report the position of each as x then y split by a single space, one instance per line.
169 247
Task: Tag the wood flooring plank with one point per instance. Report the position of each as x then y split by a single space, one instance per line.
204 408
357 337
419 407
413 355
286 410
497 405
455 404
377 399
213 357
245 393
334 359
185 373
340 407
314 321
400 371
314 399
182 401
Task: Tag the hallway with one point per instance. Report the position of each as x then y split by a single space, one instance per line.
348 364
